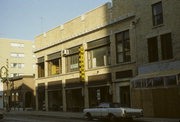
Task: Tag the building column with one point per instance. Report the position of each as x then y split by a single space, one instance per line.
63 84
64 96
36 97
46 96
113 49
113 62
46 66
86 95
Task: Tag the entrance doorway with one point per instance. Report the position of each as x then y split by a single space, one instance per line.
98 95
55 100
125 96
41 98
74 100
28 99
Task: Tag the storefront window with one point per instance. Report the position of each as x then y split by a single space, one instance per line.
170 80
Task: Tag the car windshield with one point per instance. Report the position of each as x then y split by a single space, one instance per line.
104 105
115 105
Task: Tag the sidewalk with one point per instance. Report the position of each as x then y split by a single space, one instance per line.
75 115
79 115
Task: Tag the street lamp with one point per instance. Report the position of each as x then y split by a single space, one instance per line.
5 79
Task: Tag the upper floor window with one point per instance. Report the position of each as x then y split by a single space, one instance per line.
17 55
72 59
54 63
165 47
123 47
99 53
17 45
157 13
41 67
33 46
153 49
17 65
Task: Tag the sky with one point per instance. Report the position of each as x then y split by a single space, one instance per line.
26 19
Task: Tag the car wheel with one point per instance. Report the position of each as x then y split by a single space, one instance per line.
112 118
88 117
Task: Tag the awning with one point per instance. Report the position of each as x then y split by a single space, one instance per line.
157 74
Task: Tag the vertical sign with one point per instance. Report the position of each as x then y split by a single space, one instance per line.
81 63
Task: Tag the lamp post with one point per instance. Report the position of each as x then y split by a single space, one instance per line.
5 79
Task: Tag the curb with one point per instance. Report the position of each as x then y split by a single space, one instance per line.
42 115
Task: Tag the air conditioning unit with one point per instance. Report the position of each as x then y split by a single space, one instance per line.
65 52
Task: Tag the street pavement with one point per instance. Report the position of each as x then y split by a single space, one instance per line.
64 117
32 118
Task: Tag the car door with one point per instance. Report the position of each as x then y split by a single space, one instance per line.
96 112
104 110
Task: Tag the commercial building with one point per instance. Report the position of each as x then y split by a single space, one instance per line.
101 55
18 57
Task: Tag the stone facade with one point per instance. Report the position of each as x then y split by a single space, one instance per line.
114 37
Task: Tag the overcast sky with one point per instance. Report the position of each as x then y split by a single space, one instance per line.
25 19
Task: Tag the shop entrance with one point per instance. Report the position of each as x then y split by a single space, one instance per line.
74 100
41 97
125 96
98 95
55 100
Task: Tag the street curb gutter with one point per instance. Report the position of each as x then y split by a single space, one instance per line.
57 115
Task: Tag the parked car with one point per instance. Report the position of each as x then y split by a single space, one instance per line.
112 112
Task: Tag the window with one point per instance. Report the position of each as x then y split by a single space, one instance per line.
73 63
72 59
123 47
20 45
124 74
99 52
158 81
17 97
34 66
99 57
157 13
166 46
54 66
33 46
17 55
41 68
41 71
153 49
170 80
17 65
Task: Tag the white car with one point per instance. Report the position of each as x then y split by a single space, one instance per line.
112 112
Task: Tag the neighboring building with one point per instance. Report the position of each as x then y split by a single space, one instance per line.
18 56
156 88
103 54
22 90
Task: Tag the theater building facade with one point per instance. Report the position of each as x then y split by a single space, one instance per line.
118 52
